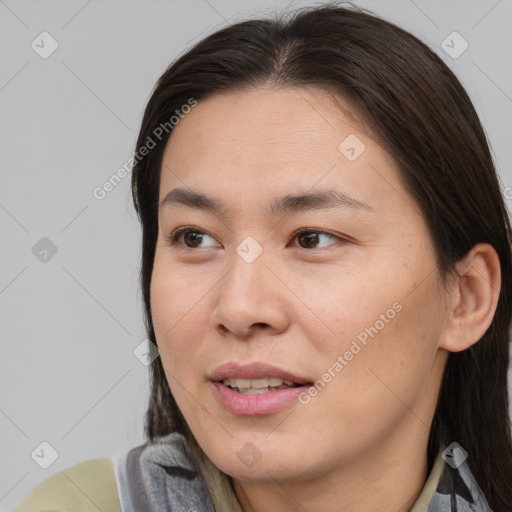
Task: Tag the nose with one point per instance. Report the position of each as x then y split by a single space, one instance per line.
250 298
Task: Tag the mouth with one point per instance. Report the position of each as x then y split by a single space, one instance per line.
259 386
256 389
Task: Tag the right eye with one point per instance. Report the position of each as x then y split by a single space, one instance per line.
188 238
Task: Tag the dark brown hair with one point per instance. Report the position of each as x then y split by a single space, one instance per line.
422 115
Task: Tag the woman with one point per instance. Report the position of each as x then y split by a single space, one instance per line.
326 272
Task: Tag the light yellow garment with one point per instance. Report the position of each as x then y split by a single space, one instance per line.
91 486
87 487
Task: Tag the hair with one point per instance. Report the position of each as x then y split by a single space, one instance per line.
423 117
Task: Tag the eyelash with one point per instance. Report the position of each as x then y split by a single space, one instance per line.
173 238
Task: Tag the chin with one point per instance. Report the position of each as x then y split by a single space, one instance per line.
244 461
262 472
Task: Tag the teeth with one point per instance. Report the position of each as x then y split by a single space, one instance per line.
258 385
252 391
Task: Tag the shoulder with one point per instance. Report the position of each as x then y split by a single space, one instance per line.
87 486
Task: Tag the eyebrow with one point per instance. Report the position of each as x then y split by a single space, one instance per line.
279 206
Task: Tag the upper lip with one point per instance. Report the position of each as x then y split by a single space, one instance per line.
253 370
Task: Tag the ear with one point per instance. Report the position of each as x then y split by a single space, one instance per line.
474 294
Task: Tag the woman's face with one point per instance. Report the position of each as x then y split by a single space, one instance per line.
351 310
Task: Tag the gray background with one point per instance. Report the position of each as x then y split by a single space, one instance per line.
69 325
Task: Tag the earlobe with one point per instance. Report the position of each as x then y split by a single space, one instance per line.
475 292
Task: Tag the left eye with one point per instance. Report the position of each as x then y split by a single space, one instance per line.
311 237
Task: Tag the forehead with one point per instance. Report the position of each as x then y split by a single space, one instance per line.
275 141
269 119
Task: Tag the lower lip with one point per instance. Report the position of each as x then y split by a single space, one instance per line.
256 404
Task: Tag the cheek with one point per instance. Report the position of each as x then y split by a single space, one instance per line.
387 331
358 311
173 322
390 371
175 313
174 299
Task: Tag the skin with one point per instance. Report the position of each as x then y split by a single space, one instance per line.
360 443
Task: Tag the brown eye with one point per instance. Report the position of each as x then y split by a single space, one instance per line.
192 238
310 239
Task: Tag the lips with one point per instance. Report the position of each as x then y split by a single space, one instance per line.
256 389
